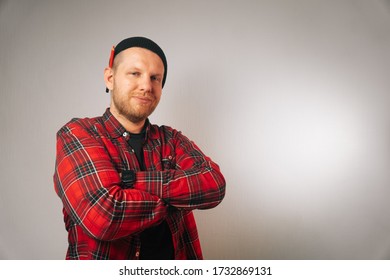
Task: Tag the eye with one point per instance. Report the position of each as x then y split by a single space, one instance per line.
134 73
156 78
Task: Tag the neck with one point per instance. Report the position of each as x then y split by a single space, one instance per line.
132 127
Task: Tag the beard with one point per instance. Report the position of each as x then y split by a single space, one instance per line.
134 113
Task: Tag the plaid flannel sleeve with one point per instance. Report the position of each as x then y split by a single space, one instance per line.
195 182
88 185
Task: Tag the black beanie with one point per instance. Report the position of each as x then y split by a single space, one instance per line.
140 42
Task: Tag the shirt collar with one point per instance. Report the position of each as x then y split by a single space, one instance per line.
116 130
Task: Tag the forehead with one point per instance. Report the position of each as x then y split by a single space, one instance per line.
139 57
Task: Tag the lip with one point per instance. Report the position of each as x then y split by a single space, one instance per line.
142 100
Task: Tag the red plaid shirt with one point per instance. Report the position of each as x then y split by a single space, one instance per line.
103 220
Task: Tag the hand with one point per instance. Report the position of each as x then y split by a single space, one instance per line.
128 178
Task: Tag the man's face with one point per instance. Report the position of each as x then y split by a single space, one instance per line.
136 84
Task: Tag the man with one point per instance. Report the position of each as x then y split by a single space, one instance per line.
128 187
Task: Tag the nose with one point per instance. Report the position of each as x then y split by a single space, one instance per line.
146 84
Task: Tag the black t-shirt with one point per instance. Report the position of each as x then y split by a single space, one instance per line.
156 242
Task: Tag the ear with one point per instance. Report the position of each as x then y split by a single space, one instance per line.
109 77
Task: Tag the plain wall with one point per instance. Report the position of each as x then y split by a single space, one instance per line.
290 98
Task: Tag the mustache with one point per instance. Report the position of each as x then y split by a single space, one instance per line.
144 96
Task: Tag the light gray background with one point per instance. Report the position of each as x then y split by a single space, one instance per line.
291 98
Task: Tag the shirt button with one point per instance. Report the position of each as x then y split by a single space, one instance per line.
125 134
137 254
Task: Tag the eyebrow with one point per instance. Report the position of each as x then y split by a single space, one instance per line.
134 68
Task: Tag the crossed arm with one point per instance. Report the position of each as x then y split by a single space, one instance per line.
90 186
